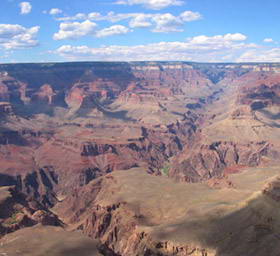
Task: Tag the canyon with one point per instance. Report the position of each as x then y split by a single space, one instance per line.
140 158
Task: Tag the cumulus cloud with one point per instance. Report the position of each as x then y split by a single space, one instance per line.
167 23
14 36
193 49
268 40
55 11
152 4
159 22
188 16
140 21
163 23
78 16
116 17
218 39
75 30
25 7
261 55
96 16
113 30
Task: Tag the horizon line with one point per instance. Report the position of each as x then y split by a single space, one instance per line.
142 61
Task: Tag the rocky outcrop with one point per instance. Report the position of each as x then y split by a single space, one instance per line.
75 97
116 225
4 92
38 185
206 221
6 109
169 100
10 137
261 96
272 189
219 159
44 95
67 128
18 211
124 237
49 240
69 119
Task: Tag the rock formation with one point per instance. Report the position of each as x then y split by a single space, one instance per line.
67 129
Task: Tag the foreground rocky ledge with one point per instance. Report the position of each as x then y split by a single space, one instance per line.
133 213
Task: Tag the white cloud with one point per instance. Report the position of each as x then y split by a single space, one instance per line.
200 48
116 17
140 21
167 23
235 37
25 7
78 16
268 40
55 11
162 22
158 22
188 16
218 40
113 30
17 36
75 30
96 16
152 4
261 55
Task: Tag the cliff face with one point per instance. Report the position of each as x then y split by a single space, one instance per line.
102 117
63 127
219 159
19 211
6 109
120 225
167 219
240 130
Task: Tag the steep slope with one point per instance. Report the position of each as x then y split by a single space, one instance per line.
66 129
240 130
18 211
58 135
135 214
43 241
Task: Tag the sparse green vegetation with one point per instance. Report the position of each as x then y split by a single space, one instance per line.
13 219
165 170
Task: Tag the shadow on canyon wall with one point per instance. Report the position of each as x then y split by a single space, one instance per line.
250 231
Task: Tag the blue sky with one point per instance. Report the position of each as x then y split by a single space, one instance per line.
128 30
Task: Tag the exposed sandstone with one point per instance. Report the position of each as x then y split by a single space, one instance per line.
64 127
272 189
18 211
